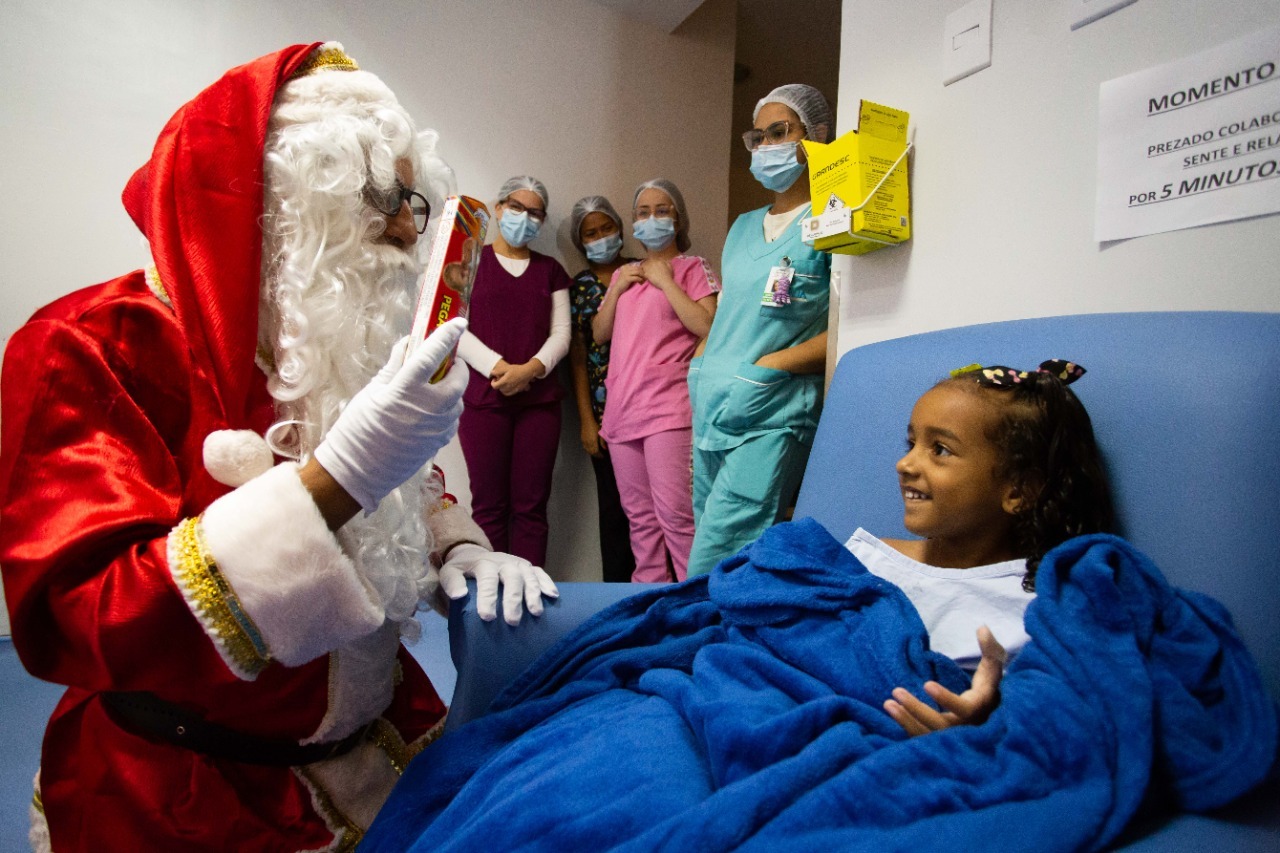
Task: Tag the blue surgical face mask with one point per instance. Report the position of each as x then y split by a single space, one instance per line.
517 228
776 166
656 232
604 250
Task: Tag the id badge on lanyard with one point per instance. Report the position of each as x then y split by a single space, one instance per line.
777 287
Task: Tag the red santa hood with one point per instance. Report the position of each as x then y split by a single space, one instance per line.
198 201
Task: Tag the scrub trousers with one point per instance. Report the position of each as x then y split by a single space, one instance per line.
617 561
653 481
739 492
510 453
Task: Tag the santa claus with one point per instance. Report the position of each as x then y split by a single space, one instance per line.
219 516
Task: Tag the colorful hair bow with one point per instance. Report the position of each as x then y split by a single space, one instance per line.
1006 377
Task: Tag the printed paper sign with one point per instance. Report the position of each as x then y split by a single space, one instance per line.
1191 142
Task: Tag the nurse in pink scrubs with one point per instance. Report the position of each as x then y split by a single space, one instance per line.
654 314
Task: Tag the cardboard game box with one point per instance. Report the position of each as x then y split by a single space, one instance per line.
444 291
858 184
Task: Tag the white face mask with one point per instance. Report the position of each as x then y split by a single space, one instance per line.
604 250
776 167
656 232
518 228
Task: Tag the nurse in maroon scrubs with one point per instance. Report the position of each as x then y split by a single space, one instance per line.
519 331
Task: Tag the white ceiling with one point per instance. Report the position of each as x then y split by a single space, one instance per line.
667 14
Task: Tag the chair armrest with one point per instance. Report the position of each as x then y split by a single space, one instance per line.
489 655
1249 825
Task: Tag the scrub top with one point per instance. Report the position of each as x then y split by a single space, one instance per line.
649 362
512 314
733 398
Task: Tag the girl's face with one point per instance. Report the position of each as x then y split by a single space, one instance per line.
950 490
596 226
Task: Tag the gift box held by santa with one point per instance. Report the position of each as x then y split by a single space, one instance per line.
220 515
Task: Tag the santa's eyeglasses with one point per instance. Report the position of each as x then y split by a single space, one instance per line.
389 202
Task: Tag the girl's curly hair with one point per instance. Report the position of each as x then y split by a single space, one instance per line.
1048 451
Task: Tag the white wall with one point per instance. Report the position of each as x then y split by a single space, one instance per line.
768 32
1005 171
567 90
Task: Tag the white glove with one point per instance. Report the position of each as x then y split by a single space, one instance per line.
398 421
523 583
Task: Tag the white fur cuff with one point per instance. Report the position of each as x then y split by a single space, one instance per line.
286 568
452 524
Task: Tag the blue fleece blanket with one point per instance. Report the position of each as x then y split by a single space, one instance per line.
743 710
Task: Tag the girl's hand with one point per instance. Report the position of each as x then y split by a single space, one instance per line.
591 440
500 369
659 272
969 708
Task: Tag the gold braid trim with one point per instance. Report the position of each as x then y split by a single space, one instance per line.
37 801
156 285
327 59
432 735
215 602
387 738
351 835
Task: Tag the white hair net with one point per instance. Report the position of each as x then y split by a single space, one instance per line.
523 182
808 103
682 213
586 205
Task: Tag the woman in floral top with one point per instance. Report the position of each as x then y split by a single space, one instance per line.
596 230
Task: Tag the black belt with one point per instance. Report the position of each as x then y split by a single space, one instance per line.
149 716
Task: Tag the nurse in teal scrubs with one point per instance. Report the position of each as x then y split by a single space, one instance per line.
756 390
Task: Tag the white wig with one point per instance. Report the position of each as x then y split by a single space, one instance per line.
334 299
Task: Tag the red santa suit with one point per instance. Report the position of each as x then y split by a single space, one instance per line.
148 587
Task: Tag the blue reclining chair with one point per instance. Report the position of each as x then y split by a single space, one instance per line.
1186 406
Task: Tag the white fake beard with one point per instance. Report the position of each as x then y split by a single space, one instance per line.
342 337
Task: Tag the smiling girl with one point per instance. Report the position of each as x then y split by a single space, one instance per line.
1001 466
